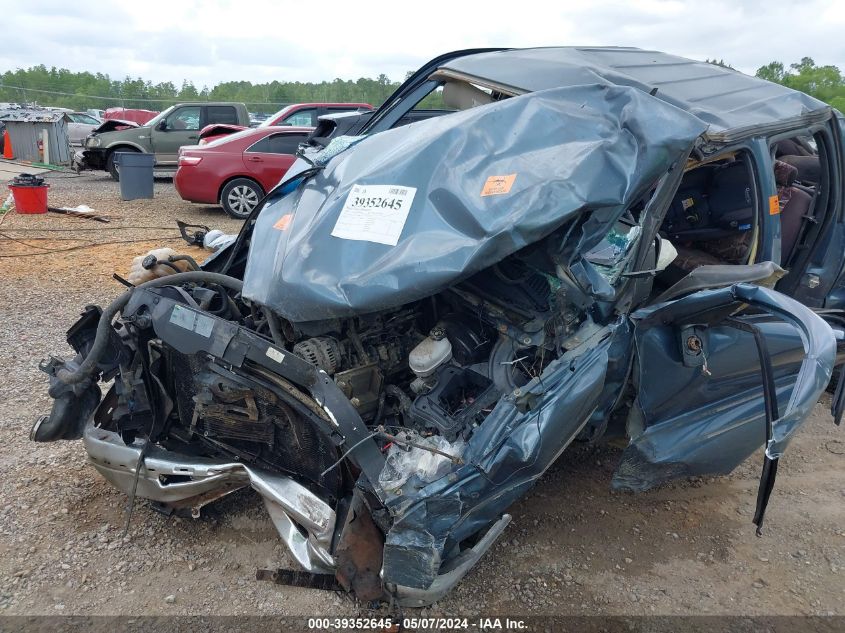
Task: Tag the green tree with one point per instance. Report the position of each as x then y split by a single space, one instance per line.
825 83
81 90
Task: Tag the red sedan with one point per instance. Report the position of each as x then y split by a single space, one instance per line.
237 170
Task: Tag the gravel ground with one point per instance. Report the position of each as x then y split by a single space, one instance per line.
574 547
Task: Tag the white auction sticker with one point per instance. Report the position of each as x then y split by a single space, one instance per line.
375 213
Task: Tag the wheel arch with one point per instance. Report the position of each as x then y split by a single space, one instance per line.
236 177
121 145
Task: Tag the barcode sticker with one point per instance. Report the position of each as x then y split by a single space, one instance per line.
375 213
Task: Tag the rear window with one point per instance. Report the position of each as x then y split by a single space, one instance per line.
221 114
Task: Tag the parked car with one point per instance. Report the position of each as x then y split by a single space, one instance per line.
80 125
97 114
298 114
255 118
420 319
135 115
236 170
306 114
162 135
217 130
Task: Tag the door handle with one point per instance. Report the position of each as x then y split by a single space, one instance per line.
255 159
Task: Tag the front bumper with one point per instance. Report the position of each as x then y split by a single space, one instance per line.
94 158
198 481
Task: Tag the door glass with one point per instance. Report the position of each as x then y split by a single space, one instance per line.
285 143
184 119
301 118
261 147
221 114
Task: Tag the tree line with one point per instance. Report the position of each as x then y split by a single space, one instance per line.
83 90
822 82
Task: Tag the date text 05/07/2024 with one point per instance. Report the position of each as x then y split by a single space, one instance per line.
418 624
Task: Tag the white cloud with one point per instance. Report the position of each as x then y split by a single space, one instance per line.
208 42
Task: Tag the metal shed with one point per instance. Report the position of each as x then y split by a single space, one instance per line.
25 126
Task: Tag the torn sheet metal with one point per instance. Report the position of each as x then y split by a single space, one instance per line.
518 441
684 423
724 98
113 124
570 150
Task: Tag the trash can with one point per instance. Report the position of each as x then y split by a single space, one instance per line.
136 174
30 193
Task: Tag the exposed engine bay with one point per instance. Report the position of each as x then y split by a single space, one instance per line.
422 378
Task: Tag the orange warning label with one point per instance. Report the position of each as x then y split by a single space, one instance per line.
283 222
774 205
497 185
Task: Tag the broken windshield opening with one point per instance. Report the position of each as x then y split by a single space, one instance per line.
611 256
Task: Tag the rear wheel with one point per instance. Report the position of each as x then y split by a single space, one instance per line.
111 166
240 196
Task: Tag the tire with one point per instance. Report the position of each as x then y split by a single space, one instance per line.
110 164
240 196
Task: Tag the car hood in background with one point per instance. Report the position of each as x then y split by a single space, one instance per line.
112 125
220 129
489 181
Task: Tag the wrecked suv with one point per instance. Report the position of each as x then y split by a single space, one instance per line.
421 318
162 135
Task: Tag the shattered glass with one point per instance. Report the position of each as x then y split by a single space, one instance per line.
611 255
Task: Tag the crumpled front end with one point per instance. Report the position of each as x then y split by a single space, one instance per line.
184 482
425 323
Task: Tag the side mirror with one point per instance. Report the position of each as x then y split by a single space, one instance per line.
162 125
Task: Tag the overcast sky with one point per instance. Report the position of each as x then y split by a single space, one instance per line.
258 40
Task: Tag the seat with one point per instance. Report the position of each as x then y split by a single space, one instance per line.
796 154
792 219
809 167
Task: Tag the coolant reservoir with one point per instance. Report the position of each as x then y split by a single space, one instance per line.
433 351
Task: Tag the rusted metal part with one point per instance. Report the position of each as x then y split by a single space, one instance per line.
359 552
294 578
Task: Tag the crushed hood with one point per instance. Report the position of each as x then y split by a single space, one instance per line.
112 125
476 186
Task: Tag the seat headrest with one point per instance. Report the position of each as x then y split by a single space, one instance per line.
785 174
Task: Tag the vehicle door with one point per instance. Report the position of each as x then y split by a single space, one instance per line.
269 159
180 127
810 216
718 374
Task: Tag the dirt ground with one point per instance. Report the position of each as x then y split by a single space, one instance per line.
574 547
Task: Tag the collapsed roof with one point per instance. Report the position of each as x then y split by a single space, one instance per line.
724 98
